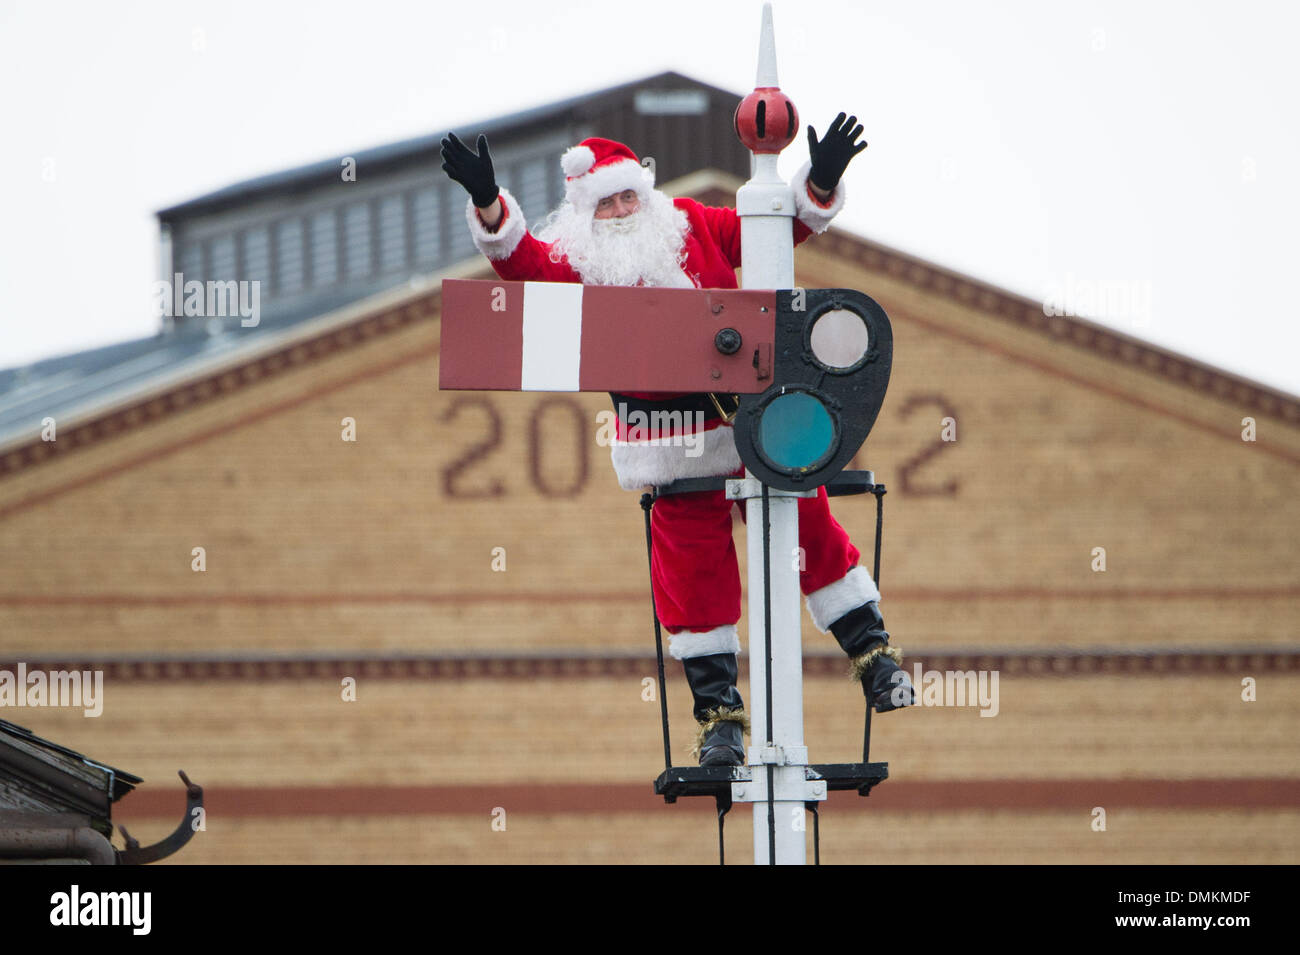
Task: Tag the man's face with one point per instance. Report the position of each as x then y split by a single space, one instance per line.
619 205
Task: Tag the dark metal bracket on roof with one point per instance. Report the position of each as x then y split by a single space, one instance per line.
134 855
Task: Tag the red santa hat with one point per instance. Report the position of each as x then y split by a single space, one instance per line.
596 168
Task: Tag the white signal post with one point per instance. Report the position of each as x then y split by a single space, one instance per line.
777 754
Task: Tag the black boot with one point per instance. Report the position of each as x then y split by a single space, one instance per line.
718 709
861 634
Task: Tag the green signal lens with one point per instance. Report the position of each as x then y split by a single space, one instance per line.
795 431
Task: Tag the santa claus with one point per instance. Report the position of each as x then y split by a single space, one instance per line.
615 228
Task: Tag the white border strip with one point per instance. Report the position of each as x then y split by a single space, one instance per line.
552 336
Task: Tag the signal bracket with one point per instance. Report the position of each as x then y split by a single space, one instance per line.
742 489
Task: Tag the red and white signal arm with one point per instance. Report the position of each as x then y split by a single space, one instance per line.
811 366
556 336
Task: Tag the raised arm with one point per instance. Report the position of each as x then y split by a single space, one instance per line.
495 220
818 193
830 156
473 170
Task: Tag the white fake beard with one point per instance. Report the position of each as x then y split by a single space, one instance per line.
646 248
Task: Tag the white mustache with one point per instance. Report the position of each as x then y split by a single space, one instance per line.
644 248
621 226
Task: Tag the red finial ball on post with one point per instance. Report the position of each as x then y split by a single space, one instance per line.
766 120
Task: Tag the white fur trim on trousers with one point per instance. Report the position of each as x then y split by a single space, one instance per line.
702 643
654 463
502 243
835 600
809 213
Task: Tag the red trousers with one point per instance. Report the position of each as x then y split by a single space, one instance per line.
694 573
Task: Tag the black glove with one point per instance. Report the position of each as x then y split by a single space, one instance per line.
831 156
473 171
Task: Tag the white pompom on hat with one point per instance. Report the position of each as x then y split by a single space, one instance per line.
596 168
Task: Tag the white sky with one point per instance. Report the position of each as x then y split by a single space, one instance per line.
1138 158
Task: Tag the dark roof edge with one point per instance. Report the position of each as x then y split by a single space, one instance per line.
393 152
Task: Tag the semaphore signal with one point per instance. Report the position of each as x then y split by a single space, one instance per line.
787 380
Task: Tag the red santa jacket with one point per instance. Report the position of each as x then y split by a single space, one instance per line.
712 257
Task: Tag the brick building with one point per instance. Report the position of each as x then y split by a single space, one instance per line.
500 714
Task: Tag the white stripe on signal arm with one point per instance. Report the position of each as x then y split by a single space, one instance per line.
552 336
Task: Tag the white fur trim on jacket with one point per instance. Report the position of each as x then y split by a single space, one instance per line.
654 463
809 213
585 191
703 643
835 600
499 244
